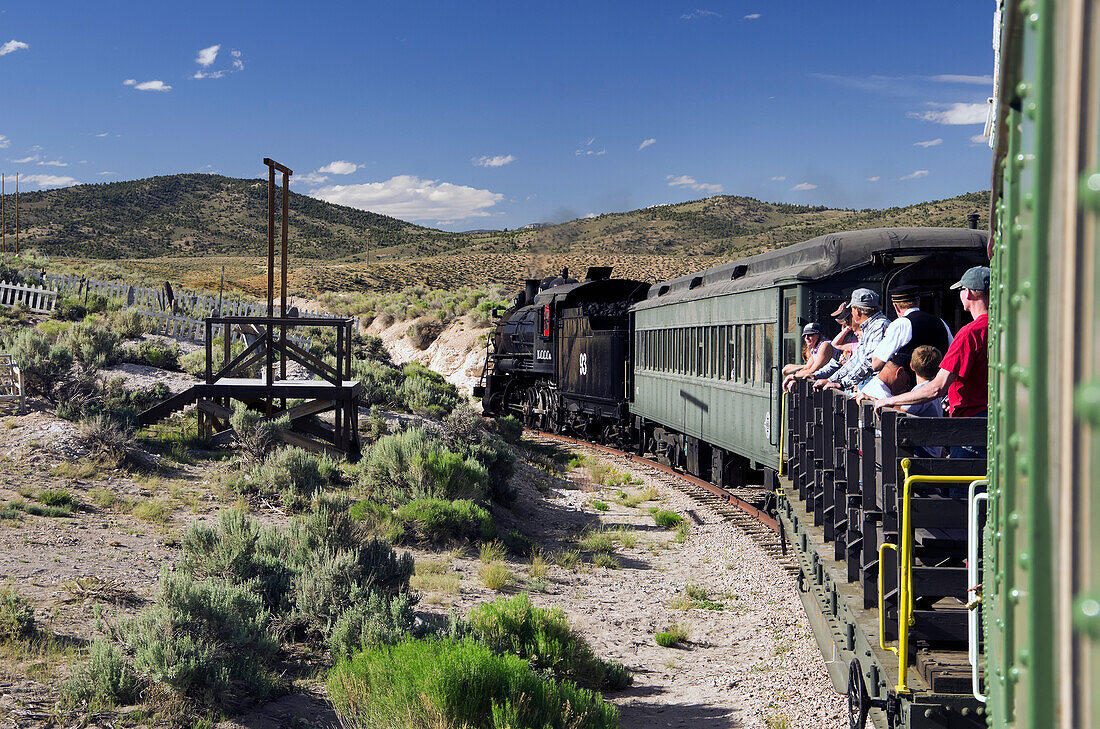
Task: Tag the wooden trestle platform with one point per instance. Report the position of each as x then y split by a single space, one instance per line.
257 377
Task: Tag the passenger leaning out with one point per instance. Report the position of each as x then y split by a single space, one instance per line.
816 352
868 316
963 375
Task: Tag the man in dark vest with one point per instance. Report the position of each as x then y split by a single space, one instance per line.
913 328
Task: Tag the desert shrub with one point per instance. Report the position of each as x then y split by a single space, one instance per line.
422 333
380 381
16 615
97 303
664 639
123 405
295 474
240 551
510 429
464 426
43 365
666 519
373 622
495 576
255 433
432 683
203 639
605 560
414 464
598 505
154 353
194 363
438 521
426 392
126 323
93 345
108 679
493 551
71 308
499 462
107 439
541 636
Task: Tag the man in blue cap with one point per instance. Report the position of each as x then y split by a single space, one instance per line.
867 315
964 371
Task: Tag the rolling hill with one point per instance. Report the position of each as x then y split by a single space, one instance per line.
185 227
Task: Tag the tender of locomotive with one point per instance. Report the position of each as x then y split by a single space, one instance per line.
558 358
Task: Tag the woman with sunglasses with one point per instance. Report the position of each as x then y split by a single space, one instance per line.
816 351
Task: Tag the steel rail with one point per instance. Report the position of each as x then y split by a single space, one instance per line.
729 498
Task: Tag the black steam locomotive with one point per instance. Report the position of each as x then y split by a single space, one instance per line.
542 352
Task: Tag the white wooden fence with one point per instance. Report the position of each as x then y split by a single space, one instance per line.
38 299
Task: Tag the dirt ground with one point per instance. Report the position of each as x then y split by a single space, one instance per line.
750 660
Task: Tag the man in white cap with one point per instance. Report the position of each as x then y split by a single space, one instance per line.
867 315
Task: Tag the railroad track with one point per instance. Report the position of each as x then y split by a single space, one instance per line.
734 505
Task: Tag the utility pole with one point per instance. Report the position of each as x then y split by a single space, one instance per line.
4 224
17 213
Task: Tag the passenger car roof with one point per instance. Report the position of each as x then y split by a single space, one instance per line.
816 258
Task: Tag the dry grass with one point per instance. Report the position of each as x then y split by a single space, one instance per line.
435 583
156 511
82 470
495 576
631 500
539 569
606 560
567 558
494 551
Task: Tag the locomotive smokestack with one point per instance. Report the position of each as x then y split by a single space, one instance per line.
530 290
972 221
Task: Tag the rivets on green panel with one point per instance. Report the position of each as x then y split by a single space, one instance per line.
1022 89
1031 109
1086 402
1088 190
1086 614
1029 200
1021 160
1024 464
1025 656
1014 673
1018 228
1014 518
1033 19
1024 561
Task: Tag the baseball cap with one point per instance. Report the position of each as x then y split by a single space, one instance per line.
975 279
843 312
864 297
811 328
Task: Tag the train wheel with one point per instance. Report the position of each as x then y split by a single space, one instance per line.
859 703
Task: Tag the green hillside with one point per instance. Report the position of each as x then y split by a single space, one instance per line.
190 214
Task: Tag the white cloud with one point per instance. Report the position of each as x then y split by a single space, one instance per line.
310 178
12 46
238 64
107 172
498 161
958 78
209 74
954 114
751 16
4 142
208 55
876 178
154 85
54 163
646 142
692 183
24 160
104 134
697 13
49 180
929 143
805 186
590 215
410 198
339 167
979 139
587 151
780 178
917 174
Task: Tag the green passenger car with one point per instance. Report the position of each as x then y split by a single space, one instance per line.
709 347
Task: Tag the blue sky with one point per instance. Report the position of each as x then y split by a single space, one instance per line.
493 115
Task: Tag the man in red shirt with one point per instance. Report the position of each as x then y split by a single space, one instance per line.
964 371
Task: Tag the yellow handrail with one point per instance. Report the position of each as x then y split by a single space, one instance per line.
905 578
882 598
783 434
